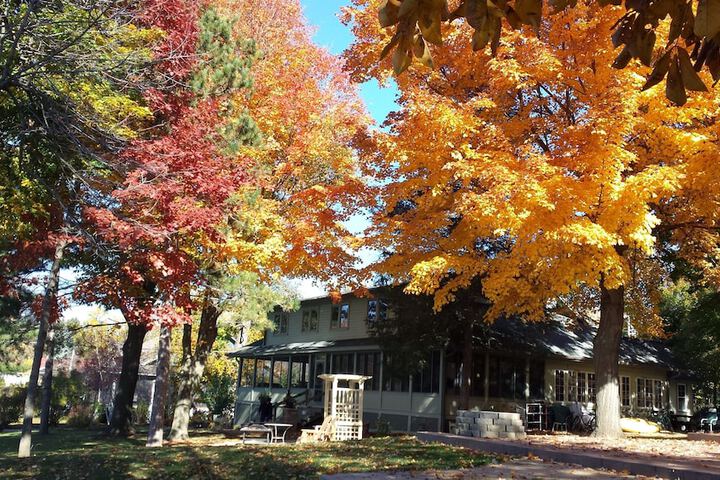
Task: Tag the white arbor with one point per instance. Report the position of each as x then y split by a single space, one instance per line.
343 404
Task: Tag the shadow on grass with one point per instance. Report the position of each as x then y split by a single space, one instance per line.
74 454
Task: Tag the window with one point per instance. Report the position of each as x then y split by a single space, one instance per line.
342 363
377 310
658 394
369 364
394 382
582 387
246 372
281 323
310 320
650 393
682 399
625 391
262 373
427 380
559 385
591 387
280 374
298 376
340 316
641 393
572 391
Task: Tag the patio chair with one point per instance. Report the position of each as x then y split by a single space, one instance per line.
321 433
709 423
561 417
583 420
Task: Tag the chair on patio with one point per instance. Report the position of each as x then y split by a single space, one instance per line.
561 417
321 433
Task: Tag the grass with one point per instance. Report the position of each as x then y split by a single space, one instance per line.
79 454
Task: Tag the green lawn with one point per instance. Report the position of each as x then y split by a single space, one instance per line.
75 454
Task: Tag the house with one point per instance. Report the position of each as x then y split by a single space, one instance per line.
523 362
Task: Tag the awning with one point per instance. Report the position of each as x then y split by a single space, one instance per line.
259 349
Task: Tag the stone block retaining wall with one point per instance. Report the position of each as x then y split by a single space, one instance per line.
489 424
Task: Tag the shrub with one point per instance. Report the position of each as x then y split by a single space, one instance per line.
141 413
67 391
200 420
12 400
219 394
81 416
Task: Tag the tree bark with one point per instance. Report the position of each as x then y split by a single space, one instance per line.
192 368
50 293
157 416
121 421
47 382
467 364
606 355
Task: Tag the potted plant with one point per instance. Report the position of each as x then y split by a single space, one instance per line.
290 413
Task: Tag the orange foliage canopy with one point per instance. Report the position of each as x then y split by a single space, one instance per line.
541 170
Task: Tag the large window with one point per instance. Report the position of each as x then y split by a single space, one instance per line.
625 391
247 370
262 373
280 374
342 363
559 385
340 316
299 374
574 386
682 399
310 320
427 380
281 323
377 311
650 393
394 382
369 364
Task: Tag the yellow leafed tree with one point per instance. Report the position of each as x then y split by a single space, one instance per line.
541 171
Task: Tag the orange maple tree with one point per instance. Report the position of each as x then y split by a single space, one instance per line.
541 171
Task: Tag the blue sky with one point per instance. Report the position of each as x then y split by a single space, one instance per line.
379 101
335 36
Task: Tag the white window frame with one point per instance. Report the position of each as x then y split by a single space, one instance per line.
684 404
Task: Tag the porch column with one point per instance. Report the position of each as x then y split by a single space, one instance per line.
527 379
289 373
254 383
486 380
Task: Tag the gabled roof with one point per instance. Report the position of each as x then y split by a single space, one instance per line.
560 337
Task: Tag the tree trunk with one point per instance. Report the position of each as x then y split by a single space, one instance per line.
157 416
50 293
47 382
467 365
606 355
121 421
193 366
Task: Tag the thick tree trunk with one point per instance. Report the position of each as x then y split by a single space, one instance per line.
467 364
47 382
192 368
121 420
606 354
50 293
157 416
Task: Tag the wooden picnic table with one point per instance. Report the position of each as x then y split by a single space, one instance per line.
257 429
